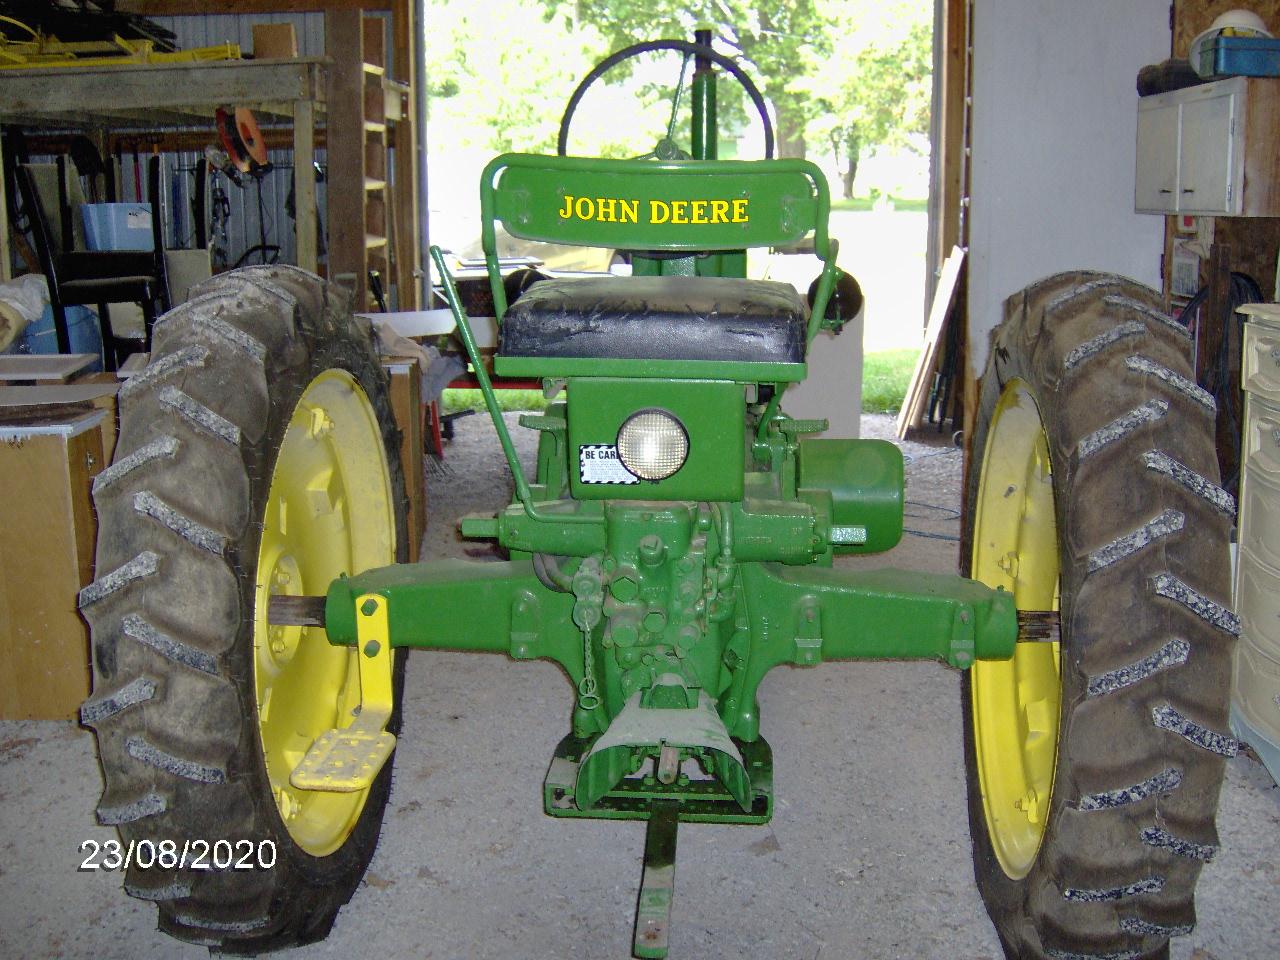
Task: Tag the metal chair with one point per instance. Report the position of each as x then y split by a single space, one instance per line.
99 278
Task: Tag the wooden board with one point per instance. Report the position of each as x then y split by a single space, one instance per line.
46 556
406 404
133 364
53 395
52 366
918 389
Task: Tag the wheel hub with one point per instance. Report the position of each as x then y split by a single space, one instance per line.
1017 702
329 512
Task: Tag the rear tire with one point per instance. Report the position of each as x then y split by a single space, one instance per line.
174 611
1146 631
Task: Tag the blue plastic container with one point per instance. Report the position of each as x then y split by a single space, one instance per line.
1240 57
117 226
82 331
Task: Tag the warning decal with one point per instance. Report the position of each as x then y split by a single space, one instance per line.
599 463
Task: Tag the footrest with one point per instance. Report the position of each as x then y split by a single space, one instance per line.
343 761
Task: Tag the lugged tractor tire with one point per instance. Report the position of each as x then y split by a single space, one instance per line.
1139 530
176 614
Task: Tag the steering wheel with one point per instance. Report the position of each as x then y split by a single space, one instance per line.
688 49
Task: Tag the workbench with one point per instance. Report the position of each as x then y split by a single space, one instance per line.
172 95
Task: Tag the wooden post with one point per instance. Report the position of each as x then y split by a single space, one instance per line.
408 252
1213 329
5 269
304 183
345 145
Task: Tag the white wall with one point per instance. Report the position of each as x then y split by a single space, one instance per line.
1054 125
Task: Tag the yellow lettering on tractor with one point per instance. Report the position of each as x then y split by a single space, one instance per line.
617 210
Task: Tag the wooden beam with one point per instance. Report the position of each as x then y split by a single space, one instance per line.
343 33
152 87
5 269
955 47
179 8
404 198
304 183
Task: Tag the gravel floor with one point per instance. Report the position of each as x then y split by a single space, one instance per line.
867 855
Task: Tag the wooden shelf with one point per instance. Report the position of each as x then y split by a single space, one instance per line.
373 225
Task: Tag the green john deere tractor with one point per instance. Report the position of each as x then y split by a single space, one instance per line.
253 607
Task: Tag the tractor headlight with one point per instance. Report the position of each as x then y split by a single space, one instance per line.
652 444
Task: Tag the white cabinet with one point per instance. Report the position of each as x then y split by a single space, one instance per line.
1210 149
1158 163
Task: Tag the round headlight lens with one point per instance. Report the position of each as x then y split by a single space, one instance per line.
653 444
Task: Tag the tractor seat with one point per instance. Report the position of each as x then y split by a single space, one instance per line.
657 318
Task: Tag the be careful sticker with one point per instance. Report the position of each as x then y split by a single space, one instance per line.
599 463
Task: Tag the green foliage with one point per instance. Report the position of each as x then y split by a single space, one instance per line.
508 400
875 88
848 75
778 38
499 73
885 377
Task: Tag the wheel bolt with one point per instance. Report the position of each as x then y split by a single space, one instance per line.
288 806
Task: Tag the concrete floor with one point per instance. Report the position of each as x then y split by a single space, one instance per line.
867 855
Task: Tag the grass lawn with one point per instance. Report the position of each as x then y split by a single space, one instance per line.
455 400
884 384
884 379
865 203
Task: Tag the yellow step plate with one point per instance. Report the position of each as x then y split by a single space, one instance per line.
344 761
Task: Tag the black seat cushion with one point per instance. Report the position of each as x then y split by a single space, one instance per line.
658 318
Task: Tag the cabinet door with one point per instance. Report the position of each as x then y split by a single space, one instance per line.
1208 157
1157 179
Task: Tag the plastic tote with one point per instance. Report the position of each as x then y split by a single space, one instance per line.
82 330
117 226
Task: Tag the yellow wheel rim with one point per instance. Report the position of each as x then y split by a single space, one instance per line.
1017 702
329 512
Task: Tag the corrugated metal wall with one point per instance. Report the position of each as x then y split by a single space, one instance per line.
242 222
206 31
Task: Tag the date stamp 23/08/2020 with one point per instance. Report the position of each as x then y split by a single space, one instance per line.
191 854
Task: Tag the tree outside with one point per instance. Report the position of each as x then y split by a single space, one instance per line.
847 82
843 78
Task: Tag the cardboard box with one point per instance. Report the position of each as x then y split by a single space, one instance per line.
47 465
274 41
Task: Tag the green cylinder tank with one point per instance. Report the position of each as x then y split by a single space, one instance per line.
864 480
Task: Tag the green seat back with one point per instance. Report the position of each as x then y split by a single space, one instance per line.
676 207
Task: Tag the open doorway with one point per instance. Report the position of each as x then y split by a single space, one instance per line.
848 85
